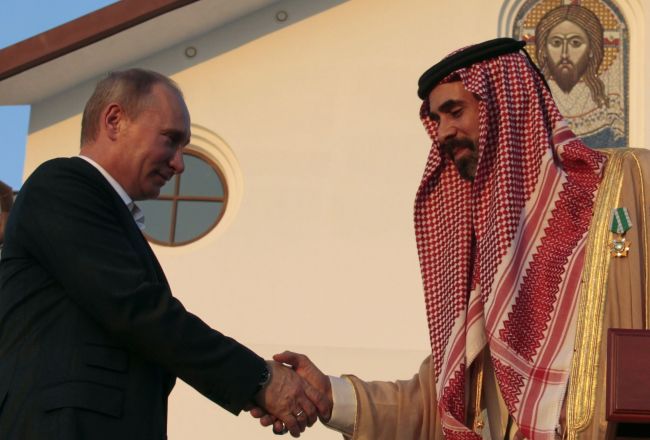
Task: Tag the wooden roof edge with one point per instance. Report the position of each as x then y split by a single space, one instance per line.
81 32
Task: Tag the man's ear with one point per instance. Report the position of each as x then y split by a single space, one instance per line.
113 120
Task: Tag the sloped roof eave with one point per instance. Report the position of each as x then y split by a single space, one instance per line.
116 36
81 32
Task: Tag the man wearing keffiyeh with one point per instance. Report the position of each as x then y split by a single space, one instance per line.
518 305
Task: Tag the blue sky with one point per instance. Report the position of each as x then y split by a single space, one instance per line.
21 19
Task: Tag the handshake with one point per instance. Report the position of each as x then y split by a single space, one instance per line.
296 395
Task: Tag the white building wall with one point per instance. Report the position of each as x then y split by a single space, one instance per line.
322 116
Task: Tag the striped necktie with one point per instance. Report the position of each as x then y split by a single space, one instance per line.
137 214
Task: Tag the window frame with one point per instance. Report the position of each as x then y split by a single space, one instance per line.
175 198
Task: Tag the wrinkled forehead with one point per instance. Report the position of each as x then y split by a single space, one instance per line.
459 87
450 90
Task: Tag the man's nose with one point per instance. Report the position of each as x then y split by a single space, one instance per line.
565 49
177 164
446 131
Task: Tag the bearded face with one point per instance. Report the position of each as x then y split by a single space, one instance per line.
568 51
456 112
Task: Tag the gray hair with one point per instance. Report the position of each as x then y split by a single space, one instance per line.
129 88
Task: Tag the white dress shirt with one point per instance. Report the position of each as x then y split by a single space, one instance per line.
136 212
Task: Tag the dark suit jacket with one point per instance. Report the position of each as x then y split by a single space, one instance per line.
91 339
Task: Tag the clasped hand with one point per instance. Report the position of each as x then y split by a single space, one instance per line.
295 397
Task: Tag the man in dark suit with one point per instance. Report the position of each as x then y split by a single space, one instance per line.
91 338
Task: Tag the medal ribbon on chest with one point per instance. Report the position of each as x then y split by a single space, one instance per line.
621 223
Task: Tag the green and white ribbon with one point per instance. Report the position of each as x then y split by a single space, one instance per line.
620 221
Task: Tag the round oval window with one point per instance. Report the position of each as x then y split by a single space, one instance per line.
189 206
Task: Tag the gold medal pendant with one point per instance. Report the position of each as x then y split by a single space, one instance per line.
619 247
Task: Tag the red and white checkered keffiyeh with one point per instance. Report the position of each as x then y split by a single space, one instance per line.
515 285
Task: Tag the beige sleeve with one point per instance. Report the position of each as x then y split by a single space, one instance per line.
397 410
624 303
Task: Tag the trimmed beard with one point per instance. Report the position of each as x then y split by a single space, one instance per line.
465 165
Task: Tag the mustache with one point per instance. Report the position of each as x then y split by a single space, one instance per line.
450 145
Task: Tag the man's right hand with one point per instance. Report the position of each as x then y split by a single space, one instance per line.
302 365
290 399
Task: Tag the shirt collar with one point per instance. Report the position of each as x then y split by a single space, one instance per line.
136 212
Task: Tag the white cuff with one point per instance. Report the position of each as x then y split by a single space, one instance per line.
344 411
